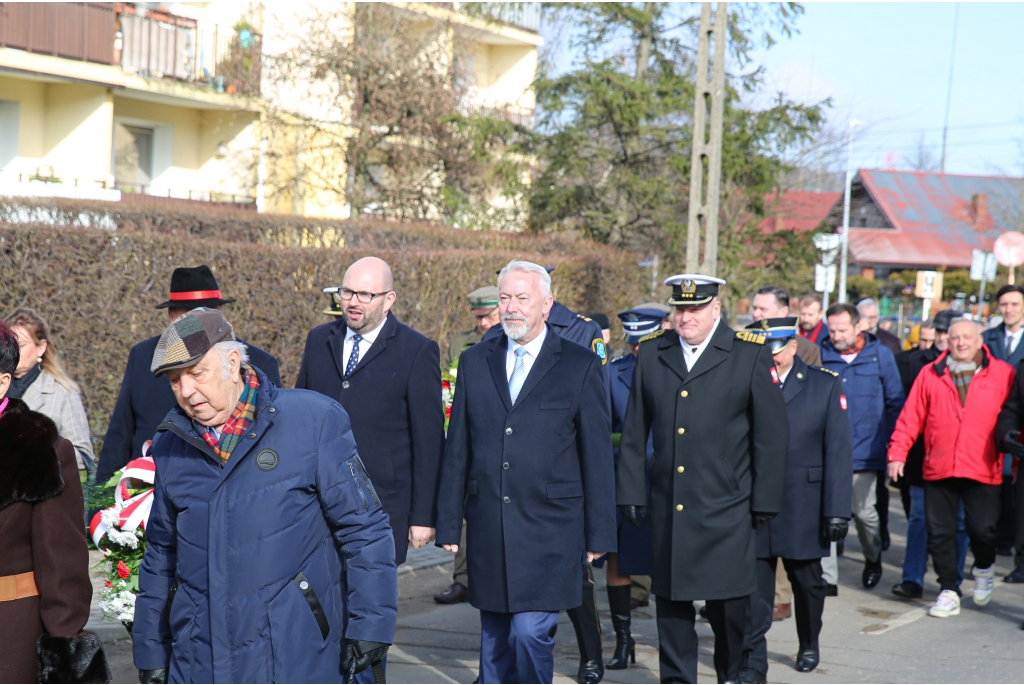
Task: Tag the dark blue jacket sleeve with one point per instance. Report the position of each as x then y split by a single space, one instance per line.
426 428
151 636
594 440
361 529
117 443
300 380
892 386
838 487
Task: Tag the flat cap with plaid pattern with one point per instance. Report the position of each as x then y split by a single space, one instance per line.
188 338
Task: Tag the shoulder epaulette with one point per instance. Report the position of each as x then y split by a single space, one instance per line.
585 318
834 374
751 337
652 336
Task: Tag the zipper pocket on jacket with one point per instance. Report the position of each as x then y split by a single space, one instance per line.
355 478
366 482
314 604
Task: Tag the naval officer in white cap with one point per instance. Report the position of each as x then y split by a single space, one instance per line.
710 398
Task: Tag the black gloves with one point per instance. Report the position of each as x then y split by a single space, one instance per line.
358 655
633 513
1013 445
836 528
156 675
763 517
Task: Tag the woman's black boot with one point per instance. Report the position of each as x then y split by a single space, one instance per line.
625 647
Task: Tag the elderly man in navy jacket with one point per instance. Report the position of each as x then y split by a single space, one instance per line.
145 399
528 463
388 378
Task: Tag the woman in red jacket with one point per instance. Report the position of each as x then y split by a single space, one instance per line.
955 402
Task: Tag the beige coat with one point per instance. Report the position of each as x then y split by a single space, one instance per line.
64 407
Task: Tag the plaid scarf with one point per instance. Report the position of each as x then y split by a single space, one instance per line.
231 432
962 374
857 347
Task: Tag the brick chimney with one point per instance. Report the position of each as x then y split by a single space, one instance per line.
979 204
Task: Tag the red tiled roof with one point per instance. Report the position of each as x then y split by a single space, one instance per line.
935 222
797 210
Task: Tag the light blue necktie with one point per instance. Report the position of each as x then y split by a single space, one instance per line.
518 377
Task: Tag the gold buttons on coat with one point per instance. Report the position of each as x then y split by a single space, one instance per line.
680 469
681 431
684 393
679 507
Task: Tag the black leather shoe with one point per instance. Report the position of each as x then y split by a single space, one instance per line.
908 589
456 594
1016 575
807 660
872 573
832 590
590 672
750 675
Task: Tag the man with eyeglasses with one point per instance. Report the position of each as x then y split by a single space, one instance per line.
388 378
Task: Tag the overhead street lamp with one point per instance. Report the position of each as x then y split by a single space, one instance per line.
846 213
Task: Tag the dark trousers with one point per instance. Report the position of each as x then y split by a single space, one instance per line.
882 505
1007 525
1018 533
808 604
678 638
981 509
517 648
585 622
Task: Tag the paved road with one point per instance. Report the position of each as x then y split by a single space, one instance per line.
869 635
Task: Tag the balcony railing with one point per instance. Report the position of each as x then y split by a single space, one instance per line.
159 45
525 15
75 30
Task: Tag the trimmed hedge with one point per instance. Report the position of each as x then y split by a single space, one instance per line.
98 287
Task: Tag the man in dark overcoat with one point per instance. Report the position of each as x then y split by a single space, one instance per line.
144 399
528 464
582 330
388 378
815 510
711 398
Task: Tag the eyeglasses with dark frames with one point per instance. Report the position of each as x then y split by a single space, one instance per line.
364 297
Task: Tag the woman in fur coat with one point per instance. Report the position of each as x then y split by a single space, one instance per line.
44 563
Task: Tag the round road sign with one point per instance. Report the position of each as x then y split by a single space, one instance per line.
1009 248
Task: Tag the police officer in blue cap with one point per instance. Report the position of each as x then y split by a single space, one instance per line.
634 555
816 499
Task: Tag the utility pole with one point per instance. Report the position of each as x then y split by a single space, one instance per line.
845 240
707 144
949 87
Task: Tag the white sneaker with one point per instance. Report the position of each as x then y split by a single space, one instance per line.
984 580
946 604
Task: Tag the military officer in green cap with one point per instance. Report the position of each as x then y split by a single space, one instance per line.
484 302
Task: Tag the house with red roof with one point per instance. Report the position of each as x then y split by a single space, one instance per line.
797 210
924 219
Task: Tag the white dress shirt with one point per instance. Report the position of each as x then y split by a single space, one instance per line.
784 376
691 353
1012 340
533 349
364 344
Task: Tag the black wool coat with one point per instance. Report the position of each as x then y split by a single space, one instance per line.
144 401
534 481
720 441
818 483
394 401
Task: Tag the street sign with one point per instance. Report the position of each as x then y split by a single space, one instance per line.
983 265
825 278
828 245
929 285
1009 249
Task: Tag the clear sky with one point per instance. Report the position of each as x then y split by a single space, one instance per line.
888 65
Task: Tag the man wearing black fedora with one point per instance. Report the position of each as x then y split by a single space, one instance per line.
144 400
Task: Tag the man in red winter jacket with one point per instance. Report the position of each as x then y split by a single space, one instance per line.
955 402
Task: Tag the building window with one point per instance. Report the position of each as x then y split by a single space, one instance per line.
133 157
9 113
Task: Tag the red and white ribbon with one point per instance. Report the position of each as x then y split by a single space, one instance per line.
133 511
